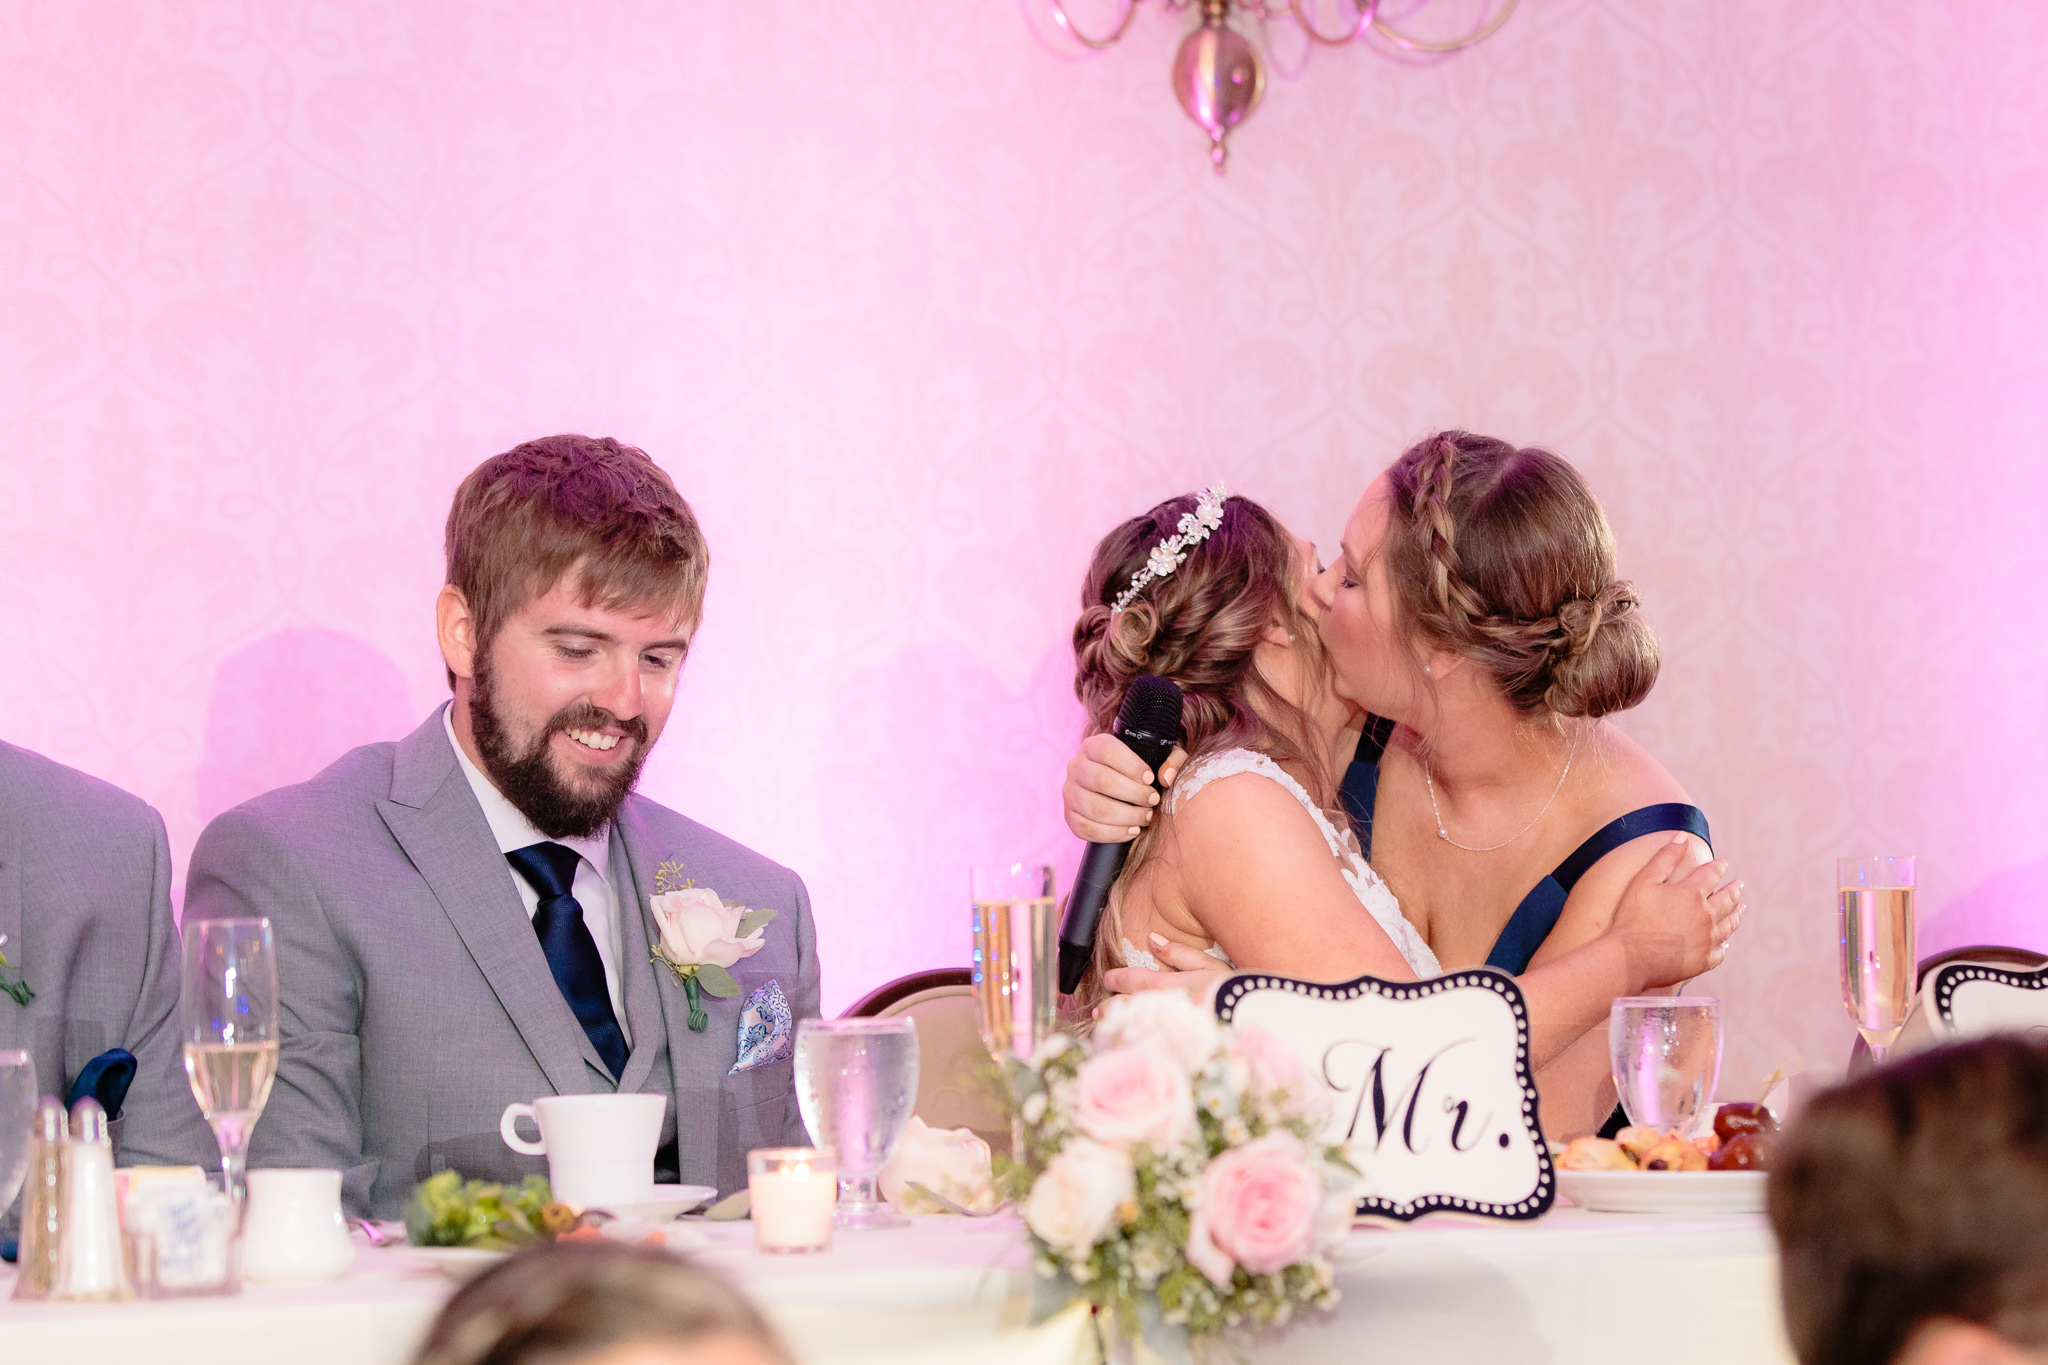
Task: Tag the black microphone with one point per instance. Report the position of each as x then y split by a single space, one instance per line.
1149 722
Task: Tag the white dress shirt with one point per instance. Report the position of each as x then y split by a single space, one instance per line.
593 888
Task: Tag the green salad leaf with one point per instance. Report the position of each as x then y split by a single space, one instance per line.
447 1211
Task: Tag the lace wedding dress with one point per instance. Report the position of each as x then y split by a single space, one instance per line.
1365 883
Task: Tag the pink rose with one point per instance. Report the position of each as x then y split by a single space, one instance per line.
1257 1209
1272 1069
698 929
1131 1095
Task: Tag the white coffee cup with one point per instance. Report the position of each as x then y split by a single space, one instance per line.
600 1148
293 1231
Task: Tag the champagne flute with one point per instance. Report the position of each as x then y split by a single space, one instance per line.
856 1080
1880 958
17 1119
1016 969
227 1005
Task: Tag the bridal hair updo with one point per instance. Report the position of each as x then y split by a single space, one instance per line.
1502 555
1199 627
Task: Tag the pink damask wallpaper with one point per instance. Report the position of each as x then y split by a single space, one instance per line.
914 303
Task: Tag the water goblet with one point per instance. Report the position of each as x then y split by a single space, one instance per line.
227 1007
1666 1054
17 1118
1880 965
856 1081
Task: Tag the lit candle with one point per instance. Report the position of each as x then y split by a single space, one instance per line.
791 1191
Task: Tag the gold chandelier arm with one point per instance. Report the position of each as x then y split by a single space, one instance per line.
1479 35
1368 13
1065 21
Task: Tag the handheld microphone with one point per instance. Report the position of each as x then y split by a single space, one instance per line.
1149 722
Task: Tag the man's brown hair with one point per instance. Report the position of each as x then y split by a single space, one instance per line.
563 1301
523 520
1918 1191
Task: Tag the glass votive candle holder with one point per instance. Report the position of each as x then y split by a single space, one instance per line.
791 1191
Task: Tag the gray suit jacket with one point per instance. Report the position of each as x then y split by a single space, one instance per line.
85 902
417 1002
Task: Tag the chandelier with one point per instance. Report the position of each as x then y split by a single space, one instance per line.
1218 75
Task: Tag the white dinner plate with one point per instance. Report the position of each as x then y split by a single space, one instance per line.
457 1263
1665 1191
664 1202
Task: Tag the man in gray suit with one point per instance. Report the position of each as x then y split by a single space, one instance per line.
85 924
463 917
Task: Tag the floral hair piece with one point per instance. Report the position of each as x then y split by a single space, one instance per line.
1167 555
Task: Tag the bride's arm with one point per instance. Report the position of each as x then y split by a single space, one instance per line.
1250 865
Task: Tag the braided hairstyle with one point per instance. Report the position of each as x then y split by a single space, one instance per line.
1199 626
1503 555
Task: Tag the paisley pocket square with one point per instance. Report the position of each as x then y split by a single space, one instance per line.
765 1029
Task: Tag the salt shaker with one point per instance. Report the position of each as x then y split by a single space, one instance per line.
42 1203
89 1260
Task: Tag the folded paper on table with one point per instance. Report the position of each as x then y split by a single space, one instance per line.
1434 1100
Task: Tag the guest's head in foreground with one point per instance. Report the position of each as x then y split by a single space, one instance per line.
1474 563
1232 624
600 1303
575 581
1911 1207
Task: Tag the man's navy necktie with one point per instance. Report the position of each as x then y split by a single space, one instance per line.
550 869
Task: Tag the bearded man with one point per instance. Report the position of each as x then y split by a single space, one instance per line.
465 919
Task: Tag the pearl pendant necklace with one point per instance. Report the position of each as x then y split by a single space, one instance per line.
1445 834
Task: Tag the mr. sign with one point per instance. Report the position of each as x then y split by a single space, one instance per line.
1434 1100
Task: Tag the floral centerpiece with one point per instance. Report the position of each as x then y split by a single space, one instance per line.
1172 1169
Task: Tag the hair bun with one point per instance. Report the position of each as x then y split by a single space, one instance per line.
1605 656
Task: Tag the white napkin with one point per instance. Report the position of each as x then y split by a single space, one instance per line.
952 1162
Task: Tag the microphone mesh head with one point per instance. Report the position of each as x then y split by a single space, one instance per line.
1152 707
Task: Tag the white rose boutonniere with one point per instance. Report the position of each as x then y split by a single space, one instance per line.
19 989
702 936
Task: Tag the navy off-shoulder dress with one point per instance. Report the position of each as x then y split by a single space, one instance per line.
1538 912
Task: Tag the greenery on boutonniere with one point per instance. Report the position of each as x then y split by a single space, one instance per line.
18 988
702 936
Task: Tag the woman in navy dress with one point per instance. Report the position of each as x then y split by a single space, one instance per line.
1475 620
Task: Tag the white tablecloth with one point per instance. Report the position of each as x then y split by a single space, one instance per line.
1574 1287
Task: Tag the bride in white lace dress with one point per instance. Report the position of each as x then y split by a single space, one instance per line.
1250 861
1251 822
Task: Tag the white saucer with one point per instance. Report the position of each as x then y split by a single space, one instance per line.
457 1263
661 1203
1665 1191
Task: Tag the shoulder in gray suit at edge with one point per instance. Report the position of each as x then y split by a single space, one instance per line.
418 996
85 922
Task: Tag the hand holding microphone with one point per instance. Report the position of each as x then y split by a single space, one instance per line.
1148 722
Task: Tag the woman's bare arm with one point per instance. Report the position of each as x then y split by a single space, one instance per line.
1249 864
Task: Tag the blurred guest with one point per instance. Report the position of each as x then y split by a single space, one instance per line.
92 953
600 1303
464 917
1911 1207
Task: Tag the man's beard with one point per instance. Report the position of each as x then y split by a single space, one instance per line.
529 780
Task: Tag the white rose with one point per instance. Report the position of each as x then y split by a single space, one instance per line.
1075 1201
951 1162
697 929
1168 1020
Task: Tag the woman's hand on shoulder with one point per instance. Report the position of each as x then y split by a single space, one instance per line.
1108 793
1187 968
1675 922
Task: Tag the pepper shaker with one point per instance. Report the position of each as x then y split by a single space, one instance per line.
89 1261
42 1203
